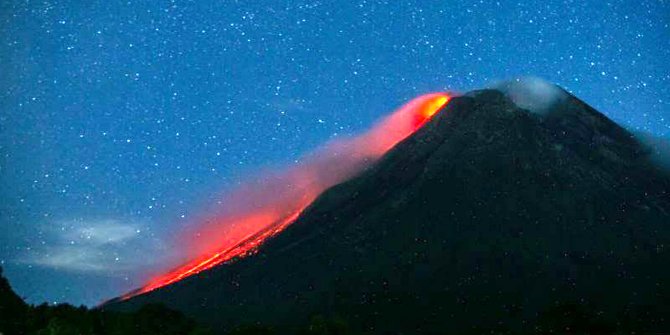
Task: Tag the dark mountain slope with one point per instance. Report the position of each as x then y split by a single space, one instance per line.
489 217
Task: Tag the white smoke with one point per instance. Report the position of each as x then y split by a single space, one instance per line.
534 94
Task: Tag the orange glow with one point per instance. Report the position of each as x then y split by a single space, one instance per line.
262 209
432 106
244 247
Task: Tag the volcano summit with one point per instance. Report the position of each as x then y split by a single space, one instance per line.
490 217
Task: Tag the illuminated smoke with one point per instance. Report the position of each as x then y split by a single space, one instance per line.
261 209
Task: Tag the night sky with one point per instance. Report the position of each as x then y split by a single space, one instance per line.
120 124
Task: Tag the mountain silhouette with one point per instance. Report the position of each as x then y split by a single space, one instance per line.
488 218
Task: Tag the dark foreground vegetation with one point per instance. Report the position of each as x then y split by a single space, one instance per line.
17 317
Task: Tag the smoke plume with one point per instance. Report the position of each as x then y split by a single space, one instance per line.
260 209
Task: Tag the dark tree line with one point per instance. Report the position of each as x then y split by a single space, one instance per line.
20 318
17 317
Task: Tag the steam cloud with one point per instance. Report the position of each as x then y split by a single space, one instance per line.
262 208
281 194
532 93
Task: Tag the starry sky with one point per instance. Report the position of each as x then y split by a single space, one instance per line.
121 122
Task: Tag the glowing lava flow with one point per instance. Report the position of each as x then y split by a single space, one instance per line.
262 209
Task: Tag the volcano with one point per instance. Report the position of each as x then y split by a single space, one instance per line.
490 217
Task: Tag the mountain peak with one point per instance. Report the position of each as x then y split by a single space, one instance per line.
571 123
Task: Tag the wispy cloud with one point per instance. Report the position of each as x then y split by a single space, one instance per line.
107 247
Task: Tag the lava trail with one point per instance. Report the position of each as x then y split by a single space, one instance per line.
263 208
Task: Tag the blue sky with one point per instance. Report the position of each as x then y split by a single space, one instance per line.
121 122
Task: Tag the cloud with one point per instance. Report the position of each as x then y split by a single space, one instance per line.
105 247
534 94
109 232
